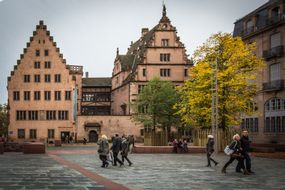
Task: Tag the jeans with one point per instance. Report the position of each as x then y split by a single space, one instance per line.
247 162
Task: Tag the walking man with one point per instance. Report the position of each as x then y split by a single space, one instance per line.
210 150
125 150
116 147
245 145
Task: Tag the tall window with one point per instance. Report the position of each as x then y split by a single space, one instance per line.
37 95
51 115
249 26
37 78
50 133
67 95
275 40
144 72
165 57
37 65
33 133
165 42
26 78
57 95
26 95
47 65
275 12
33 115
186 72
16 95
274 72
21 133
47 95
62 115
164 72
47 78
46 52
37 52
141 86
20 115
57 78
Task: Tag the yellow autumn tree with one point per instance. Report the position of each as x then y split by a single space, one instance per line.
237 68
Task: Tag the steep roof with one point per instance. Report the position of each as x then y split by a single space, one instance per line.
96 82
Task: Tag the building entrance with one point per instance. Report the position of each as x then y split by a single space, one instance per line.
93 136
64 135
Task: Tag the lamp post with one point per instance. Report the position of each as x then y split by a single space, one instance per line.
215 115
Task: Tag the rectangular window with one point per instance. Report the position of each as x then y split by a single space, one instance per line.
186 72
274 72
47 78
62 115
20 115
47 65
27 95
37 95
37 65
16 95
278 124
51 115
140 88
165 57
47 95
21 133
37 53
46 52
273 124
283 124
26 78
144 72
57 78
275 40
37 78
164 42
164 72
67 95
33 133
57 95
50 133
33 115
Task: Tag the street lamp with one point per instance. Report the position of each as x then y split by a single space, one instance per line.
215 115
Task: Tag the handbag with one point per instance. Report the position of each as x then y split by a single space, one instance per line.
228 151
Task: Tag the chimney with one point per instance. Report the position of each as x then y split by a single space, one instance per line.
144 31
86 74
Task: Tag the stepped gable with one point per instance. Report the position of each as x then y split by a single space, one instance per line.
40 26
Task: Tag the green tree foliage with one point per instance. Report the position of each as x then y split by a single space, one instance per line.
237 68
155 105
4 121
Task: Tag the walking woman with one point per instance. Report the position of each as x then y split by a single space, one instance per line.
103 150
236 147
125 150
210 150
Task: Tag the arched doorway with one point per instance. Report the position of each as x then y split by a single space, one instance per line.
93 136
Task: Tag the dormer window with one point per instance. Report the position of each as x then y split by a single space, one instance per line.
164 42
275 12
249 26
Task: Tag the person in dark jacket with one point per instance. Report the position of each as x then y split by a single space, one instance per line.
103 150
210 150
125 150
116 147
236 155
245 145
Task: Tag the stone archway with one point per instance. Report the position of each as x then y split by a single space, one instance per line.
93 136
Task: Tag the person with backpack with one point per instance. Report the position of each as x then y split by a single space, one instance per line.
103 150
210 150
236 154
125 150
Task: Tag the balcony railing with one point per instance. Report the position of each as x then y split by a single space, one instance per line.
273 52
273 85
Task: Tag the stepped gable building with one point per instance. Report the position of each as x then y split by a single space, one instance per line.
266 27
158 53
41 91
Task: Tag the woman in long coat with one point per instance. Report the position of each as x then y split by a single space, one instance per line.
210 150
103 150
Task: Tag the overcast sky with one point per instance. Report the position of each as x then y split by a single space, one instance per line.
89 31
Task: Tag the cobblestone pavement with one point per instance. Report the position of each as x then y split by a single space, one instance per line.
178 171
19 171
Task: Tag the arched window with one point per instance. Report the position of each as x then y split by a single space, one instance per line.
274 115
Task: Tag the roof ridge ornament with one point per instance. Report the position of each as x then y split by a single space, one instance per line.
163 10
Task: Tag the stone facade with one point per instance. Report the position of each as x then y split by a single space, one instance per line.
41 91
266 27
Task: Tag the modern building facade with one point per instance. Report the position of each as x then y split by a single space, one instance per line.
266 27
49 99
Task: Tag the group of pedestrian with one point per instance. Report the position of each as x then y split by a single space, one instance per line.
239 150
120 145
180 146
